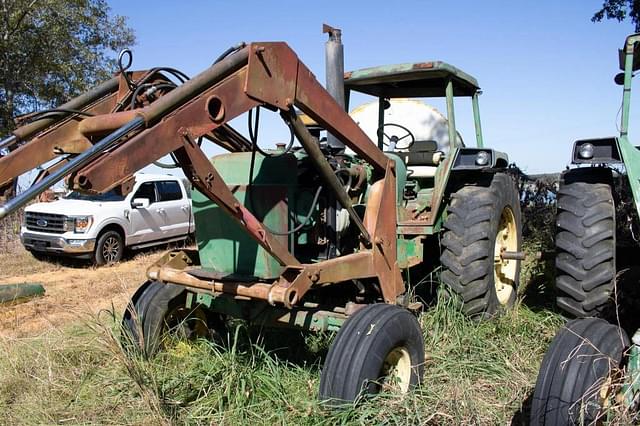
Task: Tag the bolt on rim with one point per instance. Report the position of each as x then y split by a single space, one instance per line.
504 270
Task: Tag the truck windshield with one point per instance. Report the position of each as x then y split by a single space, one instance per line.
107 196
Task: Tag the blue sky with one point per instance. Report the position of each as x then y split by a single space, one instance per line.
546 70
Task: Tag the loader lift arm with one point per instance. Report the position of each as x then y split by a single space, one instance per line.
260 74
63 132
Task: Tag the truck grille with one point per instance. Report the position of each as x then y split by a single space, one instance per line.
45 222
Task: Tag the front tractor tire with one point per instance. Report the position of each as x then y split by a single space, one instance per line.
156 312
585 248
482 223
578 375
380 347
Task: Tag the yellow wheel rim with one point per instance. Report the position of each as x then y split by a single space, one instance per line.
504 270
396 370
188 323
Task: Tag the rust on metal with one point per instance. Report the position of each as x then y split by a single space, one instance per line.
152 144
105 123
422 65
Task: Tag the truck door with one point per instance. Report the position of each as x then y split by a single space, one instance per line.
146 223
173 205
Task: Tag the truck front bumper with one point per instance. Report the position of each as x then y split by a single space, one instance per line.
56 244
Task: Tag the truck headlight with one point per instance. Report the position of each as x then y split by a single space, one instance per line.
78 224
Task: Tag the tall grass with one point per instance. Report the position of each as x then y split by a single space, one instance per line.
476 373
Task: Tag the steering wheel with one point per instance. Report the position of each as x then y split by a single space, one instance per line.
392 141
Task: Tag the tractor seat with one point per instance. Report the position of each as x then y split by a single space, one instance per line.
422 159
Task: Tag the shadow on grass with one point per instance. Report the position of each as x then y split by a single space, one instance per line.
299 348
538 292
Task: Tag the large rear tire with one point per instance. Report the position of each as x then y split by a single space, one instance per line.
585 248
378 347
577 373
482 222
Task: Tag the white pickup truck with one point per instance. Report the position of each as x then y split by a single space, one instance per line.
99 227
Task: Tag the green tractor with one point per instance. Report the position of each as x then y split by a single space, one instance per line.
591 364
334 233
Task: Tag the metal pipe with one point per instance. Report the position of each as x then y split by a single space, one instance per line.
78 162
334 69
9 140
194 87
626 91
77 103
327 174
476 119
380 130
450 114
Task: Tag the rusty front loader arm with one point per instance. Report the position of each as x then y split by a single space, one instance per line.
261 74
72 128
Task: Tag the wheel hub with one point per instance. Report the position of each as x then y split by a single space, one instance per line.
187 323
396 370
504 271
110 249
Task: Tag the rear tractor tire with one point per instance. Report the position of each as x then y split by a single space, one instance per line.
483 222
585 249
579 374
157 312
380 347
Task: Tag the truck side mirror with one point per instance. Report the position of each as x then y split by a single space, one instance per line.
140 203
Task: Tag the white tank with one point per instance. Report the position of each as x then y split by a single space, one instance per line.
424 121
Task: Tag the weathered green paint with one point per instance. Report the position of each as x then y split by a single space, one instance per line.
630 154
401 175
476 120
631 387
451 116
440 185
223 245
300 318
409 251
419 79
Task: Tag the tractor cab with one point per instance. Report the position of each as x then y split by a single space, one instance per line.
402 123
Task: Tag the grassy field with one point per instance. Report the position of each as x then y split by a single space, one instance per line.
475 374
74 372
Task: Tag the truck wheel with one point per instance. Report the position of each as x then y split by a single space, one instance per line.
586 247
482 222
577 373
157 311
109 248
378 347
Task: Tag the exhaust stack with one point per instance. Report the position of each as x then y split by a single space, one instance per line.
334 62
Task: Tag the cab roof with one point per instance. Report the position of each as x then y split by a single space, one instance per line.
419 79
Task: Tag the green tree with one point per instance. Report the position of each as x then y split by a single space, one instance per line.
620 10
52 50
